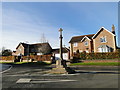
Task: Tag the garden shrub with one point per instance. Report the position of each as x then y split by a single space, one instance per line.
93 56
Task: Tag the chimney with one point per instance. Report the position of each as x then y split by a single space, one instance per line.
113 29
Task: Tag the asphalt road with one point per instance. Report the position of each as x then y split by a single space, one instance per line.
23 76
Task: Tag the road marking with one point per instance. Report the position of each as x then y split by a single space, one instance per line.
26 80
23 80
7 69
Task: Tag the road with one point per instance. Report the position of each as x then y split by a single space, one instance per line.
24 76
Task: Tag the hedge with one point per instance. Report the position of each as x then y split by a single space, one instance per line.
92 56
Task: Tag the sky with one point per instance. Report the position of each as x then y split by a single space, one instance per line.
27 21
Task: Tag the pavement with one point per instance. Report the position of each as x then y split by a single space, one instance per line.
35 77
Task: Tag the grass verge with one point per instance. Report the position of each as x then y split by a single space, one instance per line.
28 63
98 63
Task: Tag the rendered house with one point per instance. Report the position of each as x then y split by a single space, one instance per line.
66 53
35 49
102 41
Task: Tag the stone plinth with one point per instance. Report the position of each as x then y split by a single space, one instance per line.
59 69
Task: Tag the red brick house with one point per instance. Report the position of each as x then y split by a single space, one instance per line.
102 41
35 49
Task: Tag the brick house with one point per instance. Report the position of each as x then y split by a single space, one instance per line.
102 41
35 49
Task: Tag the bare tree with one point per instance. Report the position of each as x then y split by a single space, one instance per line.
43 39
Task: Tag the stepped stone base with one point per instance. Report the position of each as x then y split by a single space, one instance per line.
58 70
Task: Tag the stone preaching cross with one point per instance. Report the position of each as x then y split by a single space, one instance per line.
61 66
58 62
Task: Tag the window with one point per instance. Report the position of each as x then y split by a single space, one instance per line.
86 43
103 39
75 44
39 53
105 49
20 49
80 51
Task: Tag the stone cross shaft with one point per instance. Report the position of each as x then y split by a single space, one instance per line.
61 56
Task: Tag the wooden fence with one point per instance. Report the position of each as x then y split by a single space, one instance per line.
38 57
7 58
34 57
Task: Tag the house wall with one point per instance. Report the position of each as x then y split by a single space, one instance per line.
71 50
109 37
19 50
81 47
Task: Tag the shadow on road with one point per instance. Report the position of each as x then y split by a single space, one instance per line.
99 72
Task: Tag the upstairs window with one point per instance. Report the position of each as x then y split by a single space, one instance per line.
20 49
86 43
103 39
75 44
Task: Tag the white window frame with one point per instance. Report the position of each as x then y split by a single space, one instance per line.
103 39
80 51
75 44
20 49
39 53
105 49
86 43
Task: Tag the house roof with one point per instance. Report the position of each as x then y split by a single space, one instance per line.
65 50
79 38
25 45
37 47
40 47
101 29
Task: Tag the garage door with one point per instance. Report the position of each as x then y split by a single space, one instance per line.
65 56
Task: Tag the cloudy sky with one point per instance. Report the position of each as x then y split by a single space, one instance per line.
27 21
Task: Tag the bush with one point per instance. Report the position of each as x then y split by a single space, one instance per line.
74 60
93 56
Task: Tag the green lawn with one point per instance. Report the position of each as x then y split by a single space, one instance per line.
99 63
36 63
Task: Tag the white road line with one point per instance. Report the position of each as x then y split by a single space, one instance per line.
7 69
23 80
26 80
